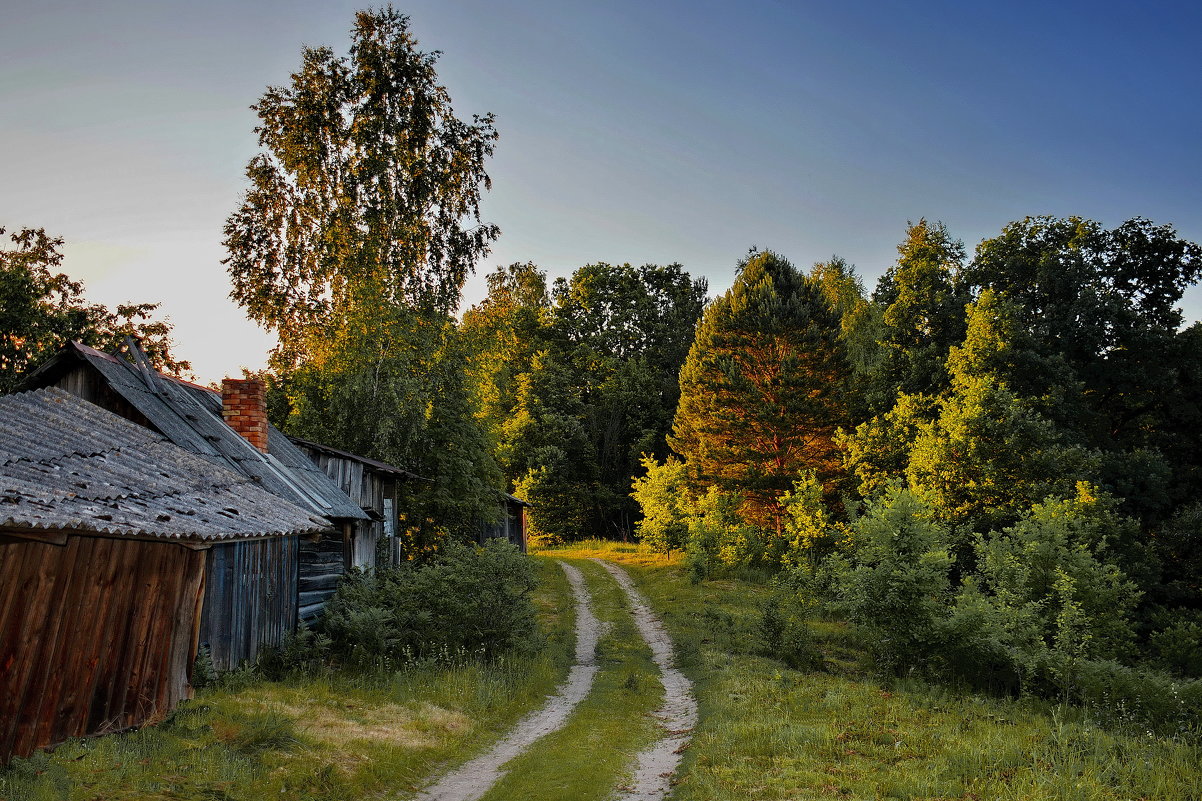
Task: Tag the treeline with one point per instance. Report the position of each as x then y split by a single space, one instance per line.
992 464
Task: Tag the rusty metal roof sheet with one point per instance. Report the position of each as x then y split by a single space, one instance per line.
69 465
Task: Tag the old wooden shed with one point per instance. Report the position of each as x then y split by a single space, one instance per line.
257 590
104 530
373 485
510 523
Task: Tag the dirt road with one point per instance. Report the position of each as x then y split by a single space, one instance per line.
655 767
658 764
473 779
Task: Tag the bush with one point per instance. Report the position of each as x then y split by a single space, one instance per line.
784 635
899 590
466 599
303 650
1120 694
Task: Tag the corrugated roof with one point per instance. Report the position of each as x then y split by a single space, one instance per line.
69 465
190 416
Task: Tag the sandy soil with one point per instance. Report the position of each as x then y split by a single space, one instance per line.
657 765
473 779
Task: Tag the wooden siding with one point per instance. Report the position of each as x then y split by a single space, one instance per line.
322 565
84 382
96 635
368 488
250 598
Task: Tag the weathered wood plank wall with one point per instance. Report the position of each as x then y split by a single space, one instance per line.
96 635
322 565
250 598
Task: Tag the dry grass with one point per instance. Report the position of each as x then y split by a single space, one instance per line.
340 722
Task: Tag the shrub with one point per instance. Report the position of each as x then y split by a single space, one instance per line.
899 589
784 635
661 494
1049 575
303 650
1121 694
466 599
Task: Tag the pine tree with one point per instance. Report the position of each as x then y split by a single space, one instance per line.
762 390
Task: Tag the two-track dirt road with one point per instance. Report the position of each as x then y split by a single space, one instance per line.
655 767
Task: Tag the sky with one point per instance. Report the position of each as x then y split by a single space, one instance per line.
644 131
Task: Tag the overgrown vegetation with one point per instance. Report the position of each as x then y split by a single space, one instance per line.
837 727
981 465
464 602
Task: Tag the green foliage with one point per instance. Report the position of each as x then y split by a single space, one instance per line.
810 533
784 635
465 600
1100 308
44 310
922 298
661 493
1177 647
366 178
577 384
352 244
391 384
990 454
304 650
900 588
1059 595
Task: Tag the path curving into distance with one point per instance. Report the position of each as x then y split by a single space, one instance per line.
473 779
658 764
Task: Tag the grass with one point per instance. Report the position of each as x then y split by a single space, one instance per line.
331 736
766 731
769 732
610 726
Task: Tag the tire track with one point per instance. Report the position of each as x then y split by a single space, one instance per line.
658 764
473 779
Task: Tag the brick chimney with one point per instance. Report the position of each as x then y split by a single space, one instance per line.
244 409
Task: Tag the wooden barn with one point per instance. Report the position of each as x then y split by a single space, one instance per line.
510 524
105 530
373 485
257 590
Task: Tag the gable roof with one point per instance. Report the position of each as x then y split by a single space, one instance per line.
67 465
374 464
190 416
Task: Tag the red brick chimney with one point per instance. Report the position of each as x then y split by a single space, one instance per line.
244 409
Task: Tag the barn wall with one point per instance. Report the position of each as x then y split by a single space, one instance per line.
322 565
96 636
367 488
250 598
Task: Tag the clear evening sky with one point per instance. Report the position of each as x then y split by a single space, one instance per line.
630 131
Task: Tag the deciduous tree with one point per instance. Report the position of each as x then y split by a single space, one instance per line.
44 309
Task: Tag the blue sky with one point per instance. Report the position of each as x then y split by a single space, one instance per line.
630 131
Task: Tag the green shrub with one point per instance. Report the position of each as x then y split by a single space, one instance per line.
467 599
662 495
784 635
899 589
303 650
1120 694
1177 645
